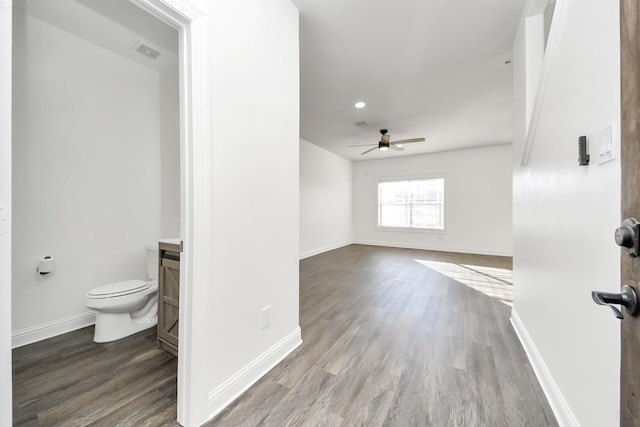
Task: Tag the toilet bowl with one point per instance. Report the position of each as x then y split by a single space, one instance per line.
125 308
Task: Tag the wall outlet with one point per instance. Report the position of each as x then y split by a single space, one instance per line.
4 220
266 317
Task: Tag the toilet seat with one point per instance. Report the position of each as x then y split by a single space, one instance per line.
118 289
121 297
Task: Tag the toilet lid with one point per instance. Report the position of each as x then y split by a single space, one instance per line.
118 289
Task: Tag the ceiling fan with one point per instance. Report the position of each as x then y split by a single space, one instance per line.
384 144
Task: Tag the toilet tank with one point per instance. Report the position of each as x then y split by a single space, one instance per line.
152 261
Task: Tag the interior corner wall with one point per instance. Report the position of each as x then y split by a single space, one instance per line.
565 215
326 182
477 200
86 174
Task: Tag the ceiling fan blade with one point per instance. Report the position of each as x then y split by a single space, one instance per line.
408 141
394 147
361 145
370 149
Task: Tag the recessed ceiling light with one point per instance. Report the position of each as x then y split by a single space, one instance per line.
360 104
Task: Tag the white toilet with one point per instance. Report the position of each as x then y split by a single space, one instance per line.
124 308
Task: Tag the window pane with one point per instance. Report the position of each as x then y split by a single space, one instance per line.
411 203
394 215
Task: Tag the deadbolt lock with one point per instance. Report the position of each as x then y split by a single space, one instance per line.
628 236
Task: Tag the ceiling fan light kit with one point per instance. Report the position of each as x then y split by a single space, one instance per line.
385 144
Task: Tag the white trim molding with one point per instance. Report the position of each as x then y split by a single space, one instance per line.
51 329
192 24
318 251
171 11
232 388
558 404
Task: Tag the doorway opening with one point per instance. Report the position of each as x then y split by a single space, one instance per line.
191 134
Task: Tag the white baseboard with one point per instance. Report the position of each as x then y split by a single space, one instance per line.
317 251
232 388
558 404
52 329
434 248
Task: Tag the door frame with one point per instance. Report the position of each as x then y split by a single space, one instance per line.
6 20
195 165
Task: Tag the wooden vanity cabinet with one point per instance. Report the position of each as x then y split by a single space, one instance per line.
168 296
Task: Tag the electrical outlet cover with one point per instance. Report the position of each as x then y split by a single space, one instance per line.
4 220
266 317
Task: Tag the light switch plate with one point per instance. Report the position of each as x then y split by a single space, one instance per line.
604 146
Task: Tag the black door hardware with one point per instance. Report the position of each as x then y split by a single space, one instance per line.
628 236
628 299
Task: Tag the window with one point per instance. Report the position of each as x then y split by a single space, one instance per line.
416 203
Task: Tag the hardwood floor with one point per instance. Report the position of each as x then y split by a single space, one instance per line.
396 337
71 381
392 337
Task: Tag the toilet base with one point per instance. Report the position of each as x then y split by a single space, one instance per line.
114 326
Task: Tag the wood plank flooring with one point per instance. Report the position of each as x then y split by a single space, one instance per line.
392 337
397 337
71 381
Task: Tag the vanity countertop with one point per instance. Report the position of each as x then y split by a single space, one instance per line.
172 241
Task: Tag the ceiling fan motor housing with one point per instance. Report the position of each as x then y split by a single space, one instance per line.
385 143
384 140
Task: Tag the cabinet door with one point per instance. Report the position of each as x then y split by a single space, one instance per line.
168 300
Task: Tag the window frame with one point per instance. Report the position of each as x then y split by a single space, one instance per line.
420 177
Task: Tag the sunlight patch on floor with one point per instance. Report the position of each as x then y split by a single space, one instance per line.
491 281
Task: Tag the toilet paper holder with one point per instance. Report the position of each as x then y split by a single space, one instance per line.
46 265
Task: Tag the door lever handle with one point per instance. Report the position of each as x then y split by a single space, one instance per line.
628 299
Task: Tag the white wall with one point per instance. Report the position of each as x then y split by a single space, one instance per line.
169 151
5 203
252 254
87 160
477 200
565 215
253 98
326 181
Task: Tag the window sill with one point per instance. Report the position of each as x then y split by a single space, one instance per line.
412 230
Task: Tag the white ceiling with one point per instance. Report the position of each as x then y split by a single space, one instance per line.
425 68
116 25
